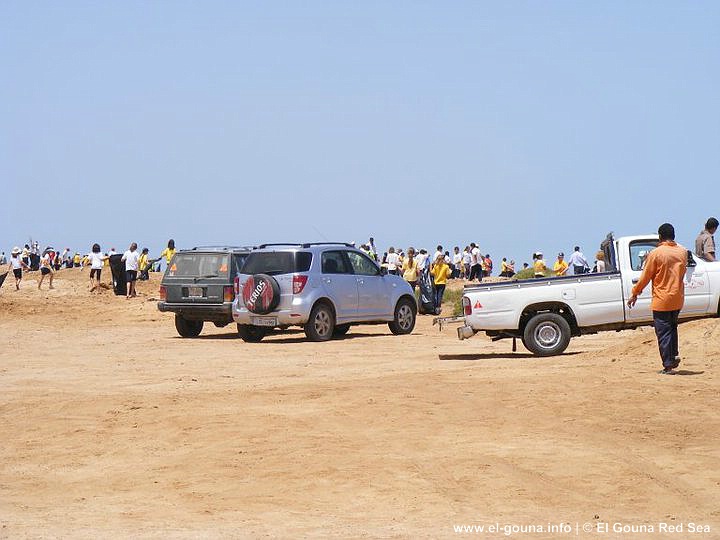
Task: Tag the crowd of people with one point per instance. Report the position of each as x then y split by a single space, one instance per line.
468 264
137 264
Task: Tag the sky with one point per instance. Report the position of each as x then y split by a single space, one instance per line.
520 126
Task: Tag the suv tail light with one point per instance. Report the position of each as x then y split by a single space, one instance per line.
236 285
467 308
163 293
299 283
229 293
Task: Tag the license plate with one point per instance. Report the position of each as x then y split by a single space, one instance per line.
264 321
195 292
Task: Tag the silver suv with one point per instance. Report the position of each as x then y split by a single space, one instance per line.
325 288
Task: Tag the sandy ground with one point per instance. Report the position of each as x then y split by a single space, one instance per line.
113 426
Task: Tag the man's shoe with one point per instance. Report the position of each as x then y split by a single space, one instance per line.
666 371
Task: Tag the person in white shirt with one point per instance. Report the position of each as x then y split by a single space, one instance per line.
46 270
16 265
475 263
466 262
421 260
600 262
578 262
97 261
392 261
131 258
373 252
456 262
438 253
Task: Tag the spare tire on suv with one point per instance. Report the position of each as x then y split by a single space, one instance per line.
261 294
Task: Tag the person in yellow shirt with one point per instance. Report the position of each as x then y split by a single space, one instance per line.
144 264
561 266
169 251
410 268
77 260
440 272
539 265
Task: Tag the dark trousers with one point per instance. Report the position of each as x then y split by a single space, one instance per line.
579 269
439 293
475 272
666 329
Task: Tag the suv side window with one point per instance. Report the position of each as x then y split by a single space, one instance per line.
362 265
333 262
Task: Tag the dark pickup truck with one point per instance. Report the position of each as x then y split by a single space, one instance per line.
198 286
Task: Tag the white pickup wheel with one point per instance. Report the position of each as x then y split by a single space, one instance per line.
547 334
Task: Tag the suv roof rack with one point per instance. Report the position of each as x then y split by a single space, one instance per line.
248 248
305 244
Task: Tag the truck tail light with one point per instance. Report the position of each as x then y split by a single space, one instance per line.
467 308
236 285
163 293
229 293
299 283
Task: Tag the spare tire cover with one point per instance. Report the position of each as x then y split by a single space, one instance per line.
261 294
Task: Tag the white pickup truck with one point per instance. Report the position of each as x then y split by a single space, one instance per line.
545 313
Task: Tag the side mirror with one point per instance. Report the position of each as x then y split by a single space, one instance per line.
690 260
383 271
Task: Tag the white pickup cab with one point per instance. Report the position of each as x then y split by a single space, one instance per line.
545 313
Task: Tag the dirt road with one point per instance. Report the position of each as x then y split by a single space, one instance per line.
112 426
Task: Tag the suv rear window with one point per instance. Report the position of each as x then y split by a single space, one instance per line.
277 262
208 265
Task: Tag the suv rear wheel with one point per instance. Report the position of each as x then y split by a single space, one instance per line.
321 324
404 320
187 328
250 333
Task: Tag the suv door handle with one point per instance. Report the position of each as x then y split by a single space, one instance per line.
360 281
635 280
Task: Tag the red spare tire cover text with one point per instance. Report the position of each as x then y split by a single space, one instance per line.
261 294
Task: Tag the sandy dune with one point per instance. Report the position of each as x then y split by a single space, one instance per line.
112 426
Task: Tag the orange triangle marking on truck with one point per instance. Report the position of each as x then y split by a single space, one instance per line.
477 305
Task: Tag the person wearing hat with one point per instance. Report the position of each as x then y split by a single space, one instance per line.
561 266
17 265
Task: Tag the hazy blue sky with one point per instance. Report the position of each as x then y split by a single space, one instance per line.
518 125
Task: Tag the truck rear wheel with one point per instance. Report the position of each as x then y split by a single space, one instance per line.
547 334
187 328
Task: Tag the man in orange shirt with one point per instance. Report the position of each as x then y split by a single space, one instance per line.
665 267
